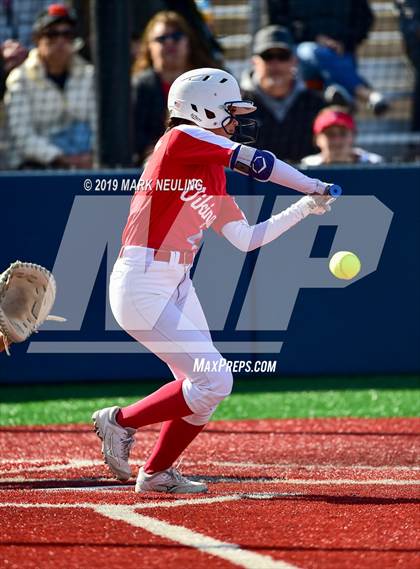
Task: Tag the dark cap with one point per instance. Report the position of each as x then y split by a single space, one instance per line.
54 14
272 37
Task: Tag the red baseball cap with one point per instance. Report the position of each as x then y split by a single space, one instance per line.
54 14
330 117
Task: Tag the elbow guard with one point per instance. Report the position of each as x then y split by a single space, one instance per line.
253 162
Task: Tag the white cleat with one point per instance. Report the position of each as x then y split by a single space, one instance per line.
169 480
116 441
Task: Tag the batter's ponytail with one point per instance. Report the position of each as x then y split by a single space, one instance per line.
175 121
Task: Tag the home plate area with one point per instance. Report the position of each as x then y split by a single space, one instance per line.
283 494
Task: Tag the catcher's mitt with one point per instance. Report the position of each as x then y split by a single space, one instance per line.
27 293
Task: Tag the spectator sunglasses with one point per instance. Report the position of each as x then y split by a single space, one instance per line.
283 55
65 33
174 36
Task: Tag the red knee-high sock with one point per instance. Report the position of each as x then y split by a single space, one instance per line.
166 403
174 437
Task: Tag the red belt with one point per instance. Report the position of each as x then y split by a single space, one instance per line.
185 257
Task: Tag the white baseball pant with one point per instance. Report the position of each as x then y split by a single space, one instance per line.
156 303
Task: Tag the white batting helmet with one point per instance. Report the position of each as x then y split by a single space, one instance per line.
204 97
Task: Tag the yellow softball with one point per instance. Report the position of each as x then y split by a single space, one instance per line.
345 265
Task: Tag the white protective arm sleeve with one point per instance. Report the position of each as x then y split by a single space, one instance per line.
285 175
249 237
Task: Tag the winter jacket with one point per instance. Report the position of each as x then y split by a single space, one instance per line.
38 111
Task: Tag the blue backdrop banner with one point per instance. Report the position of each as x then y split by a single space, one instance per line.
278 303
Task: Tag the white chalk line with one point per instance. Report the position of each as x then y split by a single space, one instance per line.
140 505
180 534
72 464
89 463
22 479
312 466
57 461
230 480
322 481
106 488
162 503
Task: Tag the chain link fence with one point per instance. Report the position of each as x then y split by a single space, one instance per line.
49 119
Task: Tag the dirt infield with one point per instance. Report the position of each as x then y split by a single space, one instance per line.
283 494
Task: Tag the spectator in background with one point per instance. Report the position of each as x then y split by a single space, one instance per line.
328 33
334 131
409 11
16 19
168 48
285 107
50 98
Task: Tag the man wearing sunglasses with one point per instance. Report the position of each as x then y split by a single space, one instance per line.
50 98
286 109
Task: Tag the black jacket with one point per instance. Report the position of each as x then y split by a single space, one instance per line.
149 111
291 138
409 12
348 21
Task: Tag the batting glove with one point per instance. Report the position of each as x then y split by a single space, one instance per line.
317 205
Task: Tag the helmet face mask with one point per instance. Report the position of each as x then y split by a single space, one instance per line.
246 130
206 97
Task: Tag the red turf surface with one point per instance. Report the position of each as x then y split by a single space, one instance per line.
330 494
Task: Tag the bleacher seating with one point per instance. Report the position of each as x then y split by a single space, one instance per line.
381 59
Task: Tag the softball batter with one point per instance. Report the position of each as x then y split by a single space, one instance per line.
182 192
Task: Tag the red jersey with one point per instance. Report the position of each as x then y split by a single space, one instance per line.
182 191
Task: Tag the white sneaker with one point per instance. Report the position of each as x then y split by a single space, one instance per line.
116 441
169 480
